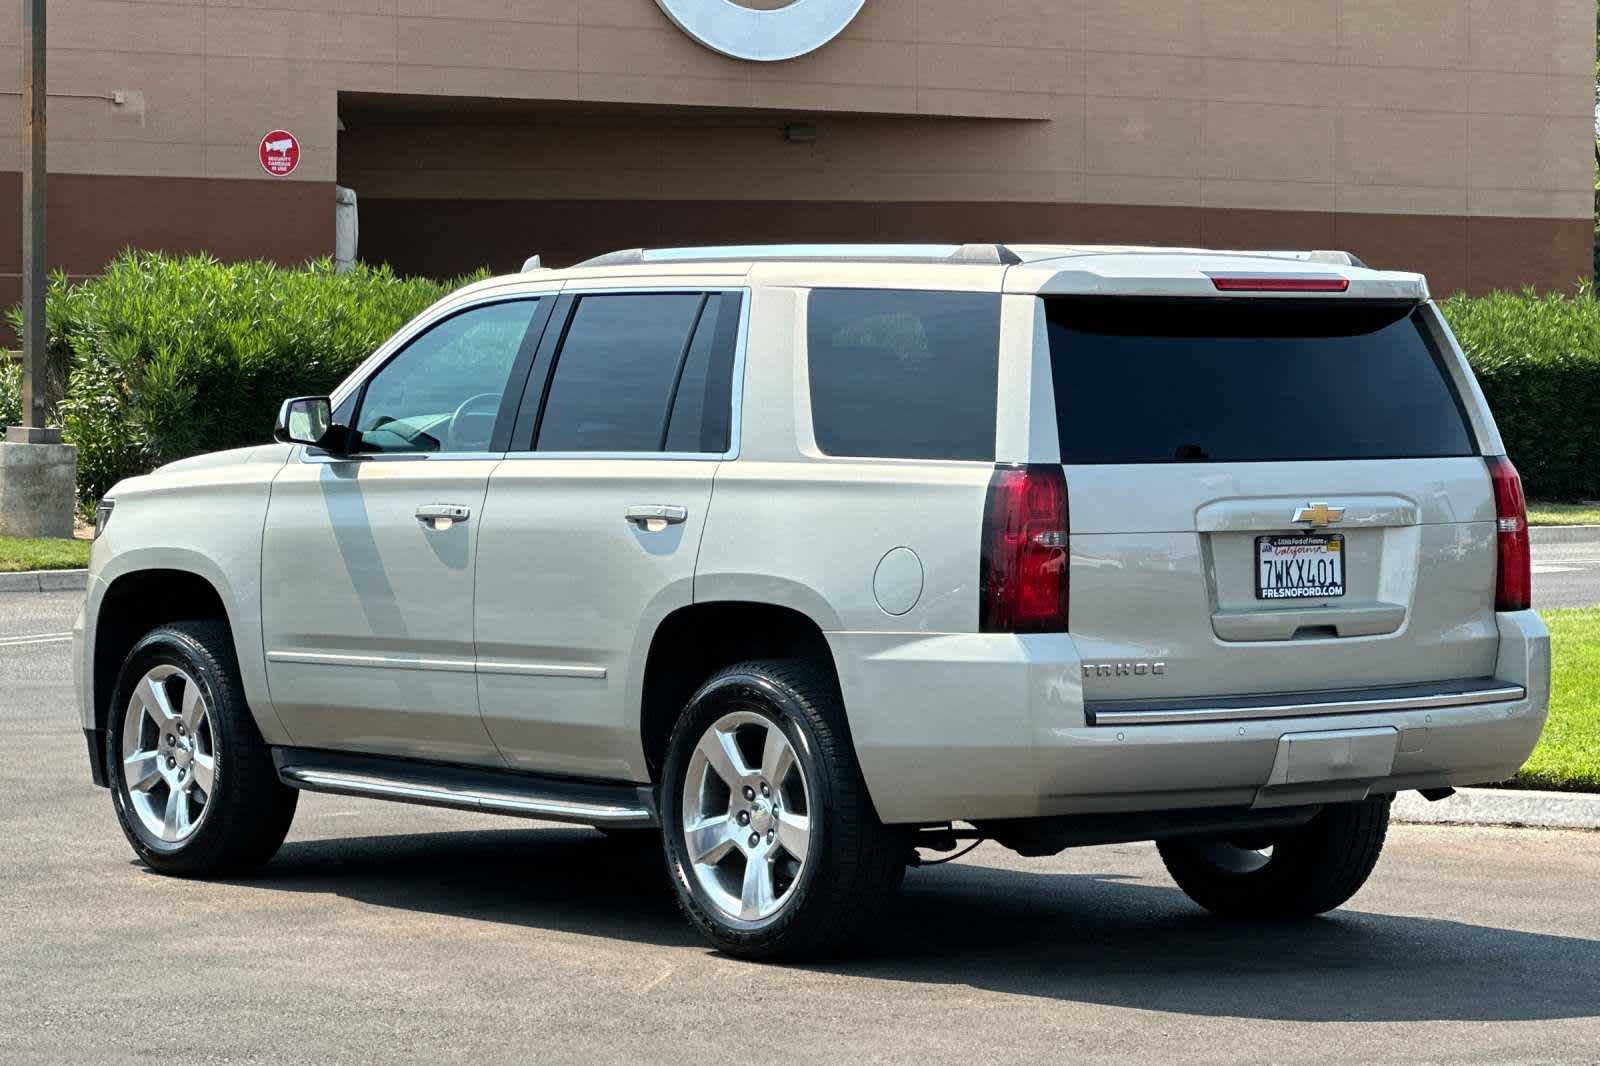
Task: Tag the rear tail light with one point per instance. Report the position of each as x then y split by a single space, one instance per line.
1513 587
1023 573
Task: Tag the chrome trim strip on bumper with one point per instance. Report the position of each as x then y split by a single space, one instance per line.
354 784
1460 697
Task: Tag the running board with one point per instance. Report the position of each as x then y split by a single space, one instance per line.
467 788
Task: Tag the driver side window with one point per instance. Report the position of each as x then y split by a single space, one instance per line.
442 392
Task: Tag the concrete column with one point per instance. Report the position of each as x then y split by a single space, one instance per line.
38 488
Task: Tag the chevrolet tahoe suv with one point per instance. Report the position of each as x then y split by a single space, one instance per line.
807 558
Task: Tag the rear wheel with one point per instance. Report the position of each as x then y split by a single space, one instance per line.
191 779
772 845
1292 873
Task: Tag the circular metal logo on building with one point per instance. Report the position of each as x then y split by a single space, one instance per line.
763 35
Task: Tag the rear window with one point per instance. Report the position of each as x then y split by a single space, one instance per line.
909 375
1153 381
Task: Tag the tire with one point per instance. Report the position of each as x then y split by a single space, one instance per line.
240 822
851 862
1312 869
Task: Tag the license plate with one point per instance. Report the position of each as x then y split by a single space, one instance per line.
1300 566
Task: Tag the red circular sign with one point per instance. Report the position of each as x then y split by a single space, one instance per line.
279 153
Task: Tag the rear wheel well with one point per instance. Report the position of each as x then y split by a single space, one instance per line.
695 642
135 604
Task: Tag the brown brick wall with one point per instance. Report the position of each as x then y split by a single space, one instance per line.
441 237
94 217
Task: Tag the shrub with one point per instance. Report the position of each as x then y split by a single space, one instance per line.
10 392
166 357
1538 360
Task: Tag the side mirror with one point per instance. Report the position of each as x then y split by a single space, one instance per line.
306 420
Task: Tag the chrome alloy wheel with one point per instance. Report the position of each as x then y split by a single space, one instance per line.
169 754
746 816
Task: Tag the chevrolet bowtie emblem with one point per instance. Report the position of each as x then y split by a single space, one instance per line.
1319 514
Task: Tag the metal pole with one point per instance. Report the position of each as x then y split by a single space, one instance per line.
35 267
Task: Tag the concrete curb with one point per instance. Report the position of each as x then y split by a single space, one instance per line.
45 581
1502 806
1564 534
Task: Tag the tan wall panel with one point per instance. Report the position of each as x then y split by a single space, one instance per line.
470 43
1404 33
1145 138
1539 36
1266 142
269 33
565 12
1531 152
1294 196
114 25
1302 30
1016 23
1381 148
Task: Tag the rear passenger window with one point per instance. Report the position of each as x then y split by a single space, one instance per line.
908 375
643 372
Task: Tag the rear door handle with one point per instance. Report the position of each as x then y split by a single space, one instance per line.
442 515
655 517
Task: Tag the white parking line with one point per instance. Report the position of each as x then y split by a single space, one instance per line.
1548 569
38 638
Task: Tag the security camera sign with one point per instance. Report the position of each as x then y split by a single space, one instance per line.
279 153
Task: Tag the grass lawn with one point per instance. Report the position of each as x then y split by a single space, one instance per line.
30 553
1568 757
1563 514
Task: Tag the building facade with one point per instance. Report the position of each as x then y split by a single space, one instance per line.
1450 136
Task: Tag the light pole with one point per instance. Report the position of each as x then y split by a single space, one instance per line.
35 266
38 473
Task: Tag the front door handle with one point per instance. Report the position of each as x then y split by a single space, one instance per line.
442 516
655 517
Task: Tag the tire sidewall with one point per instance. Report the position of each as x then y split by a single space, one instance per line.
171 648
754 692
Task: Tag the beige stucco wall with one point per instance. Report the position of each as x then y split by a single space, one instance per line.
1443 107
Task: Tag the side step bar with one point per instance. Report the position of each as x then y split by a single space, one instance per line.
1428 695
467 788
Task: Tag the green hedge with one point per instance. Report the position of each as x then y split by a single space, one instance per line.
161 358
1538 360
10 391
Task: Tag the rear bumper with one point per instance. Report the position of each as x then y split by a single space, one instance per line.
983 726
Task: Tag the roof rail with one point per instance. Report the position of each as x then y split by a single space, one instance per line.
993 254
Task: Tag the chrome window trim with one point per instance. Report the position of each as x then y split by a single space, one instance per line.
316 455
735 392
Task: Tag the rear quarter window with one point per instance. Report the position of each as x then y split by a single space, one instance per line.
901 374
1159 381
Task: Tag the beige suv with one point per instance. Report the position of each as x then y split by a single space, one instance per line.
812 558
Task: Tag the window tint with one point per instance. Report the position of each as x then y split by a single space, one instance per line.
1149 381
904 374
702 409
442 392
616 370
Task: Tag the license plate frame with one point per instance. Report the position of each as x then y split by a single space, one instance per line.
1331 558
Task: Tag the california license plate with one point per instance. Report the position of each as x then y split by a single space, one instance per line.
1300 566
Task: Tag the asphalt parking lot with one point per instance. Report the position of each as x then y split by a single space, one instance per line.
1566 575
385 933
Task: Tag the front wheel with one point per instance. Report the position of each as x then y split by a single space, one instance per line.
1292 873
192 781
772 844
